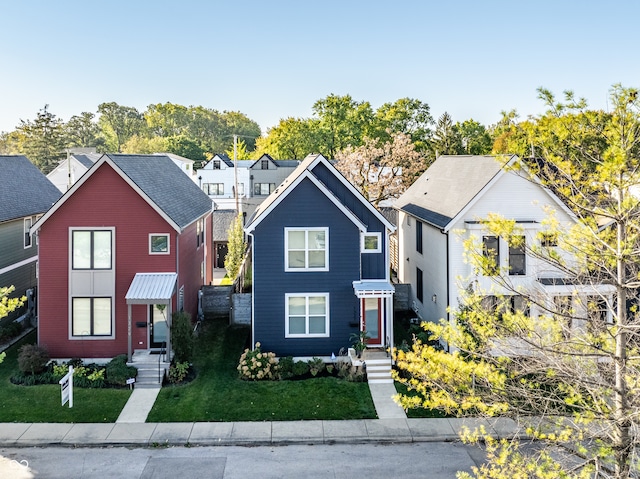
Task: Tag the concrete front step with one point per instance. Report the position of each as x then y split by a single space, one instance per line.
379 371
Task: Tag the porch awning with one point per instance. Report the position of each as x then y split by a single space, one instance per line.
373 289
152 288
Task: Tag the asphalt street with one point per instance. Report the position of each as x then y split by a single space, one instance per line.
434 460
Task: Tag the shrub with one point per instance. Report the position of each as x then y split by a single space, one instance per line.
117 372
255 365
285 367
182 337
9 331
348 372
178 372
300 368
32 359
316 365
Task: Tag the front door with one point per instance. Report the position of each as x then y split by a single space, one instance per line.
221 254
372 320
158 329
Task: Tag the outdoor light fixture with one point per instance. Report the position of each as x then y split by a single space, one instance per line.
434 298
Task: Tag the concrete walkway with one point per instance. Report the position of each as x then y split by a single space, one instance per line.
247 433
386 407
139 404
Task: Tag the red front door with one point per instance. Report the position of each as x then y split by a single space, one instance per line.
372 320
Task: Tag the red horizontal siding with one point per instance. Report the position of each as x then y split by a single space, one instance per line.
106 200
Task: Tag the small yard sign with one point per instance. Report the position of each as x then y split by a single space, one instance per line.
66 388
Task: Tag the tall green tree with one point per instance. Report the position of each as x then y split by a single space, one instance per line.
42 140
83 131
575 367
118 124
236 248
291 139
342 122
446 140
474 137
408 116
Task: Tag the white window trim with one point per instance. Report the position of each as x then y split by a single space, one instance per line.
168 244
26 230
326 334
363 236
306 268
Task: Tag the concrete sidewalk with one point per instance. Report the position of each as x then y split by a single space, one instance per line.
247 433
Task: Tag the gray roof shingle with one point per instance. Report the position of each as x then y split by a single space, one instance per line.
449 185
24 189
166 185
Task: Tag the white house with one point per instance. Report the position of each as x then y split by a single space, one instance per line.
71 169
255 180
446 206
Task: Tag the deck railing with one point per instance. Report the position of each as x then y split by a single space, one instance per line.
244 273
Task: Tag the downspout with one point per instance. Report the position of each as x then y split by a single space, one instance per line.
446 233
253 282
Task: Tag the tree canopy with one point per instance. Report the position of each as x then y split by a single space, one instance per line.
574 365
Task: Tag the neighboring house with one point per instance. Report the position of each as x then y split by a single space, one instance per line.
185 164
71 169
122 249
25 194
222 221
446 206
320 266
255 181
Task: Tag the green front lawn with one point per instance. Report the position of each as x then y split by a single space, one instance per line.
42 403
217 394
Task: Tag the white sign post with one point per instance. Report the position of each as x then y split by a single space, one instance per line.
66 388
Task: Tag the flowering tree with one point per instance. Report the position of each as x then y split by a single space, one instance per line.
382 172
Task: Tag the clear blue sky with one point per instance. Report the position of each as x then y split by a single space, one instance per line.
274 59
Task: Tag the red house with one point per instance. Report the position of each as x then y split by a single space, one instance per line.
121 249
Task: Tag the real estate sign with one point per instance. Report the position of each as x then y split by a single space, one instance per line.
66 388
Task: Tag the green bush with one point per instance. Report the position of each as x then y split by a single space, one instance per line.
285 367
117 372
300 368
178 372
10 330
316 366
32 359
182 339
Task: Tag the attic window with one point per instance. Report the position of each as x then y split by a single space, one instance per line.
371 243
264 164
216 164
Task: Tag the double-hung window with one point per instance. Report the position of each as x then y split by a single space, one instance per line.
307 315
27 232
263 189
491 253
213 189
91 249
517 257
306 249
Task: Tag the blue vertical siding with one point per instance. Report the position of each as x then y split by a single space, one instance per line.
306 206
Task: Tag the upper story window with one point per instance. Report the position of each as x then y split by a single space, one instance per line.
418 236
306 249
240 189
200 232
264 164
213 189
307 315
216 164
517 257
491 253
371 243
263 189
27 232
91 249
158 243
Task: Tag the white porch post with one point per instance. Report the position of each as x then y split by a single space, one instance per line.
129 352
169 323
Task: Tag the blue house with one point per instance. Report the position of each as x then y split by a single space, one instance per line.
320 265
